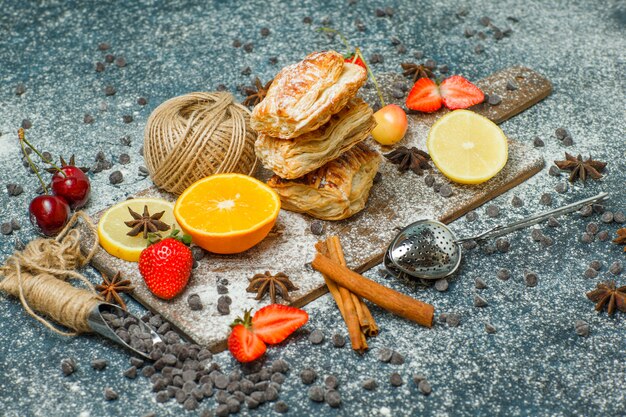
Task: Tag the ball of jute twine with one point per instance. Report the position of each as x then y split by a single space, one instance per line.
196 135
38 276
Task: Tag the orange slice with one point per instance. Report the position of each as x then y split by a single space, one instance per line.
227 213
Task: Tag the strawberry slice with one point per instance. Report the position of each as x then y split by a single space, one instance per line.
458 93
275 322
353 59
424 96
245 345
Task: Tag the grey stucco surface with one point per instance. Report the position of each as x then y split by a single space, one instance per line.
535 364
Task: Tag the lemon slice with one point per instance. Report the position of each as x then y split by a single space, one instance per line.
112 230
466 147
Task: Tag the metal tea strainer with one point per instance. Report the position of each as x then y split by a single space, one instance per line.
428 249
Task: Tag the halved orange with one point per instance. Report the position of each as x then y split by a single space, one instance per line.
227 213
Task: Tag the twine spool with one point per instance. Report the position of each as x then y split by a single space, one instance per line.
196 135
38 277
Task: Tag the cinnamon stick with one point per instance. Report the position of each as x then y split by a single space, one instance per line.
344 301
393 301
368 325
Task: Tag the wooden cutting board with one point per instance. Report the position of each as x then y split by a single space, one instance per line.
395 201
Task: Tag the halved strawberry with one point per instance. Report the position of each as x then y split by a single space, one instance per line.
275 322
245 345
354 59
458 93
424 96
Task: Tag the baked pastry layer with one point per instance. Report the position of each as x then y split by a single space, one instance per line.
293 158
335 191
304 95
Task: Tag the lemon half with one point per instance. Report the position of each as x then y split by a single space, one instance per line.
467 147
112 231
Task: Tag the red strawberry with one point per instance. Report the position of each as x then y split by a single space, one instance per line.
275 322
424 96
458 93
353 59
245 345
165 267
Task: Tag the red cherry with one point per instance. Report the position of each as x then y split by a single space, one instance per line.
49 214
74 186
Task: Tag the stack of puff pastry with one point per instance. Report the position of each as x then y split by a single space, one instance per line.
311 131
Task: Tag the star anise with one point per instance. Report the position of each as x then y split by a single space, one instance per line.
416 71
412 159
110 289
621 237
581 168
53 170
606 293
256 95
263 283
145 223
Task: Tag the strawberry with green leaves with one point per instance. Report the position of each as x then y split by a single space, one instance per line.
270 325
166 265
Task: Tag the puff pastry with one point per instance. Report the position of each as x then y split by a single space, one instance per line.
304 95
335 191
293 158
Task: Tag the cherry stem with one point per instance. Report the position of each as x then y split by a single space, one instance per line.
20 134
357 54
23 140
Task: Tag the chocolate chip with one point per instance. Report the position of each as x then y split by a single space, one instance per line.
445 190
316 393
395 379
68 366
339 340
503 245
307 20
429 180
397 93
590 273
265 32
418 54
120 62
469 245
492 211
384 354
603 235
536 234
248 47
99 67
116 177
494 99
332 398
503 274
98 364
6 228
479 284
436 187
538 143
108 58
380 13
396 358
468 32
552 222
246 71
124 159
14 189
194 302
530 279
424 387
546 199
88 119
223 307
479 49
561 188
377 178
316 337
127 118
26 124
453 319
586 211
517 202
490 328
131 373
110 394
308 376
376 59
582 328
607 217
281 407
615 268
485 21
109 90
511 85
441 285
369 384
15 225
547 241
317 227
561 133
479 301
568 141
586 238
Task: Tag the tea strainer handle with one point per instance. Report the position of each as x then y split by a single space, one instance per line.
502 230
